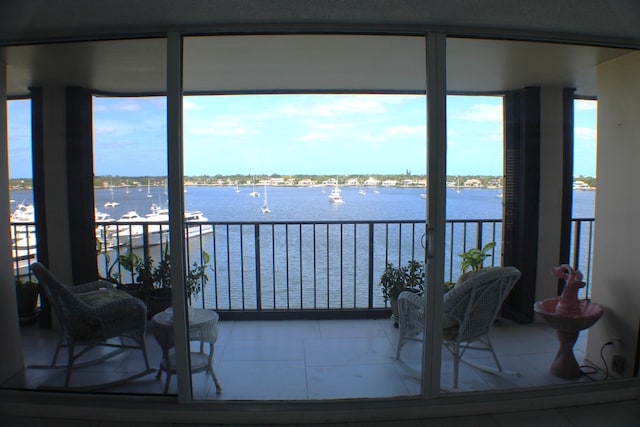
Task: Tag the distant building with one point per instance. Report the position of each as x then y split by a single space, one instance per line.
371 181
276 181
581 185
306 183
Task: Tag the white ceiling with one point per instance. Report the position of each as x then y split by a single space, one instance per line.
303 63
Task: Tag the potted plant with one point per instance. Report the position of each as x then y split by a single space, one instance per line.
395 280
153 282
473 259
27 299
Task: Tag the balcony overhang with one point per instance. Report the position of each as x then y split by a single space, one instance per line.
303 63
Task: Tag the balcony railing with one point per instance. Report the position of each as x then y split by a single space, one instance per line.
298 266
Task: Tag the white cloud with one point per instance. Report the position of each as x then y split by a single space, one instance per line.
403 130
482 112
104 130
313 137
219 130
129 106
190 105
585 105
336 107
223 124
585 134
331 126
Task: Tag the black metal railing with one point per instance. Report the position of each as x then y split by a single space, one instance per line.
297 266
581 256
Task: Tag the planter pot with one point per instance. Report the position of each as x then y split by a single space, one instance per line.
158 301
27 299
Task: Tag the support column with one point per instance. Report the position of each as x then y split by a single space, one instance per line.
521 194
11 360
553 157
63 181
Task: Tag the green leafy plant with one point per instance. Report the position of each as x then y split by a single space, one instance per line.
157 278
397 279
473 258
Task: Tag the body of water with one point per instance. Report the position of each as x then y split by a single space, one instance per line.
223 204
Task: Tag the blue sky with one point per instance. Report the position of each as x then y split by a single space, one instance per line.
296 134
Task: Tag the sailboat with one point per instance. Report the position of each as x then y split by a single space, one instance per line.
254 193
235 188
112 203
149 188
265 207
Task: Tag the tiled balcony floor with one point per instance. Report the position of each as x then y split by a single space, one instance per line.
311 359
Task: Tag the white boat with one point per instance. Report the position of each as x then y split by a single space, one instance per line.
112 203
196 224
334 196
265 207
254 193
362 192
132 232
236 189
23 237
23 213
102 216
192 218
149 188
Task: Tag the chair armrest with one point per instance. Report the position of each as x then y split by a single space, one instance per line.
411 301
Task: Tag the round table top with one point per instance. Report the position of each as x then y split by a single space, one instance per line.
197 316
203 326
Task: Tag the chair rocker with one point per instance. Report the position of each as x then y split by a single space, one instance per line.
470 310
92 315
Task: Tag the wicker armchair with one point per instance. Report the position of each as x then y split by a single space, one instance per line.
91 315
470 309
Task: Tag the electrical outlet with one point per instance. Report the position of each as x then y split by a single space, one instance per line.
618 364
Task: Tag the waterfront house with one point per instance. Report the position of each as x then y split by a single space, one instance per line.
539 56
371 181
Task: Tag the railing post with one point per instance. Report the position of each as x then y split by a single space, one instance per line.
370 267
258 270
576 245
146 257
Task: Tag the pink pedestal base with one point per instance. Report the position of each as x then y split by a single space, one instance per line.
565 364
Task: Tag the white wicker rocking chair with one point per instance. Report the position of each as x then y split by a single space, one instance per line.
91 315
470 309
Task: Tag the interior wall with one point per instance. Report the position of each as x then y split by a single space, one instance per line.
550 213
616 283
10 361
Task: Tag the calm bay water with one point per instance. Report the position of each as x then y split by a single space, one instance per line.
312 203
